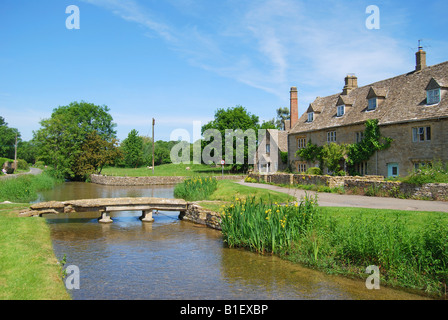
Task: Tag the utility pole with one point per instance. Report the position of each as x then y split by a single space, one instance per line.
15 155
153 144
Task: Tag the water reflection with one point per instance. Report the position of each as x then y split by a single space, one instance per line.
172 259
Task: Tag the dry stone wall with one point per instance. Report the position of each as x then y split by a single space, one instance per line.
143 181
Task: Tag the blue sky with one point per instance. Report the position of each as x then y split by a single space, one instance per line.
178 61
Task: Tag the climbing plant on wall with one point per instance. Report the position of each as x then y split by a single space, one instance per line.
373 141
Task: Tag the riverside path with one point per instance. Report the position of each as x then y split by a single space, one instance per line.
343 200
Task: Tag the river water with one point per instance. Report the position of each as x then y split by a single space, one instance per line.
173 259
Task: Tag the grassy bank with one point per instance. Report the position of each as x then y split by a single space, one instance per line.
410 248
167 170
24 188
197 188
28 266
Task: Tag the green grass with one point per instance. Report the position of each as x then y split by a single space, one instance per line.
25 188
167 170
28 267
229 190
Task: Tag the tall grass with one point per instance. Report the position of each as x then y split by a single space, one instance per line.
409 254
25 188
266 227
197 188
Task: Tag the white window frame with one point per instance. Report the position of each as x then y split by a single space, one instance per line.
268 148
331 136
359 136
421 134
433 96
310 116
341 110
373 104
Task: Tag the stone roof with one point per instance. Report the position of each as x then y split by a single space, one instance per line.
400 99
282 139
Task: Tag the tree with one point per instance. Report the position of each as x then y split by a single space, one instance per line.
233 120
7 139
282 115
332 155
132 148
96 153
60 139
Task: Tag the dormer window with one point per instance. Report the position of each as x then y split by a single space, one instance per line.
310 116
373 102
433 96
341 111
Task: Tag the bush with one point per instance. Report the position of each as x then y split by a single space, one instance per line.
431 173
315 171
22 164
251 180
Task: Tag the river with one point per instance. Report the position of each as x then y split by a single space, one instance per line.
173 259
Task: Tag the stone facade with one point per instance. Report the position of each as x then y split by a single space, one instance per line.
150 180
411 108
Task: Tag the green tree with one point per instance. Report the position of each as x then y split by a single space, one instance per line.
233 119
132 148
282 115
60 139
7 139
96 153
333 155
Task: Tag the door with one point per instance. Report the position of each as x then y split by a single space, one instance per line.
393 170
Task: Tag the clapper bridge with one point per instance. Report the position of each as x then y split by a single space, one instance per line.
105 206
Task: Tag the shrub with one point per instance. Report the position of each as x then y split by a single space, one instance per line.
431 173
314 170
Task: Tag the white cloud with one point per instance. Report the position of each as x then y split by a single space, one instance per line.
272 44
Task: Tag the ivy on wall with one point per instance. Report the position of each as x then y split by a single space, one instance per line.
331 154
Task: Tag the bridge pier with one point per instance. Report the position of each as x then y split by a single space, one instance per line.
105 218
147 216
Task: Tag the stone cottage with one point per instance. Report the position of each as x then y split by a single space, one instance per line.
412 109
268 157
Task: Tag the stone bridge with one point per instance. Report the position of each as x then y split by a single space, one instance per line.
106 206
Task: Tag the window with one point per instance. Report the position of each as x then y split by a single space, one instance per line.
341 111
301 143
421 134
301 167
372 104
331 136
359 136
268 148
393 170
310 116
433 96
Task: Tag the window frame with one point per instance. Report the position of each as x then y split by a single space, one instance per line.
430 96
340 108
421 134
310 117
369 106
301 142
331 136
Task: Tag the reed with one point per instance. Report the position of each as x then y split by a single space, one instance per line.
196 188
410 253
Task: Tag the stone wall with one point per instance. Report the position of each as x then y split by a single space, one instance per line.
143 181
367 185
196 214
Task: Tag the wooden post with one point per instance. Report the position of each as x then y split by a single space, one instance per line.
153 144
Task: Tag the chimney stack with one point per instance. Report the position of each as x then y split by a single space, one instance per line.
351 82
420 56
294 106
